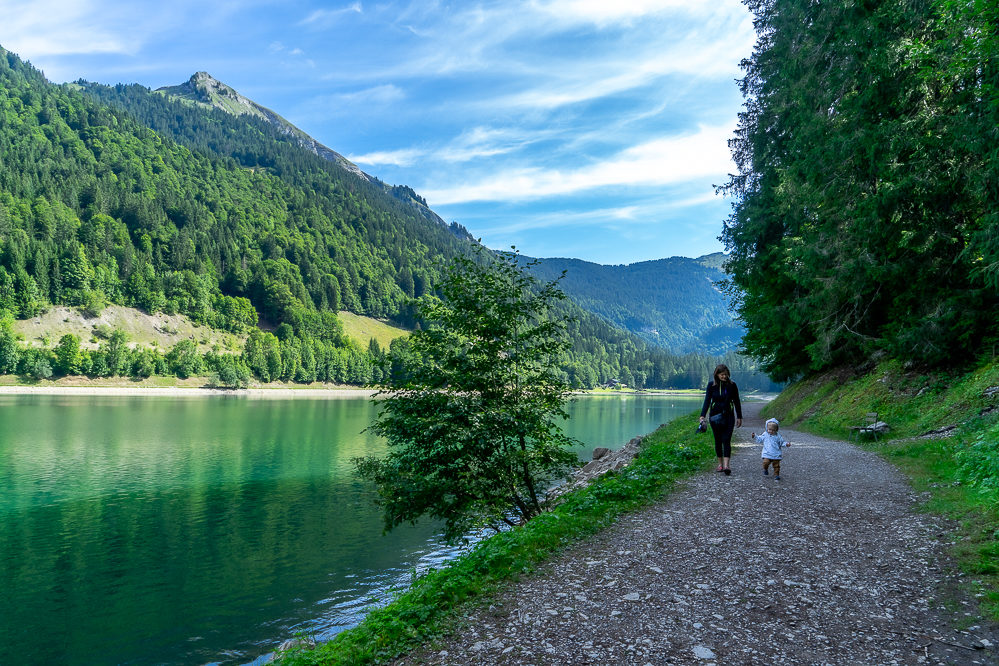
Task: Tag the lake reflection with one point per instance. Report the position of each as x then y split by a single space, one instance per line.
152 530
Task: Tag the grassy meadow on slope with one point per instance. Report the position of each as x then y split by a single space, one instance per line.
362 329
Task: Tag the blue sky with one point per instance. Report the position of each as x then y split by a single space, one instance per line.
592 129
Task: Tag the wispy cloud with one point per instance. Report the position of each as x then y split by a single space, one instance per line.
473 144
478 37
582 84
353 103
663 161
405 157
601 12
482 142
382 94
45 28
642 213
324 18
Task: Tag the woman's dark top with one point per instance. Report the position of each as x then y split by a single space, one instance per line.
720 398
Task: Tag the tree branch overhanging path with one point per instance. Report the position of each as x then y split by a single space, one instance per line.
831 565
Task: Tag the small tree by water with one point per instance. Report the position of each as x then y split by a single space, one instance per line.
472 418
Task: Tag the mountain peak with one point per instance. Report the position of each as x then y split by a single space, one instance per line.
204 89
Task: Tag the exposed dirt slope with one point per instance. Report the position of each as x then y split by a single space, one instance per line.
143 329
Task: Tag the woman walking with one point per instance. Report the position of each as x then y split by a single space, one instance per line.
721 399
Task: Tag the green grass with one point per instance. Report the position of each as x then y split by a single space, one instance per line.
361 329
431 605
912 403
960 473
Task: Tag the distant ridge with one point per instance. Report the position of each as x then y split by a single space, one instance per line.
671 303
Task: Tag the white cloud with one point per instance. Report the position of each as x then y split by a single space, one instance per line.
476 143
580 85
602 12
638 214
660 162
480 142
45 28
398 158
694 55
323 18
50 33
383 94
364 99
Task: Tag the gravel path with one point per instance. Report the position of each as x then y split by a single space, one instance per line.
830 565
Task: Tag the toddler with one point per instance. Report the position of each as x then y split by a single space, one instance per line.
772 445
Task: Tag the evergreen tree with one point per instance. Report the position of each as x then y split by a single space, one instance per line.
862 221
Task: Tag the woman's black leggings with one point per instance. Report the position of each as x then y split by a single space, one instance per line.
723 437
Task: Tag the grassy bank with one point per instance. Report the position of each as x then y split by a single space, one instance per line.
944 436
428 607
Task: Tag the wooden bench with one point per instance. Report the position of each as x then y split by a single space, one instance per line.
870 426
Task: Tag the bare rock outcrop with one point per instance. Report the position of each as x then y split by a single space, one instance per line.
604 460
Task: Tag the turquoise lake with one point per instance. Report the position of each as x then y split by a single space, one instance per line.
206 530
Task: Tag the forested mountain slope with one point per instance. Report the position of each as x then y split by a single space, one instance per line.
126 196
672 303
204 90
135 215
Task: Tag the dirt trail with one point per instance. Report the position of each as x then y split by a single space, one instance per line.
830 565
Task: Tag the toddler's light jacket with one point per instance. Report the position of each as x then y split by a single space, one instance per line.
772 444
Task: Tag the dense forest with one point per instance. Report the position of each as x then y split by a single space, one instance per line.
673 303
865 220
121 195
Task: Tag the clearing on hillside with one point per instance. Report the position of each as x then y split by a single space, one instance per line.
143 330
361 329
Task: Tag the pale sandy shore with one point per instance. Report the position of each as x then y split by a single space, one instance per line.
193 392
271 392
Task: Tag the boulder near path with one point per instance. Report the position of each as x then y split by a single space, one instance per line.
833 564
